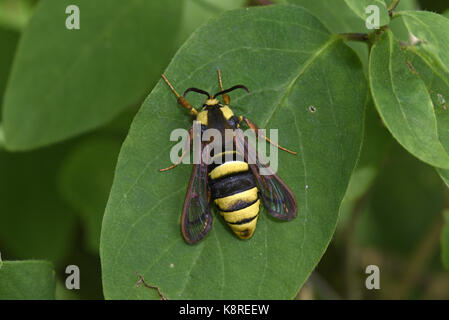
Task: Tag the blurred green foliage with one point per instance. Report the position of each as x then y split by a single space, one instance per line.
52 199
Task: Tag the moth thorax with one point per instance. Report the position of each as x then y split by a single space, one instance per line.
212 102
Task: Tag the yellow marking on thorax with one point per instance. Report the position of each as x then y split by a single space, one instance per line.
227 112
202 117
242 214
228 168
247 196
212 102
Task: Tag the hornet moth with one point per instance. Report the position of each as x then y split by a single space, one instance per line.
236 186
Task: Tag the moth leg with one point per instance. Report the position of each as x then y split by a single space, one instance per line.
255 128
181 100
186 149
226 98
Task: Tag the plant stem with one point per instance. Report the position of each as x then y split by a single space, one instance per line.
392 7
363 37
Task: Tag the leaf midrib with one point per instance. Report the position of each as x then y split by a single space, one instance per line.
300 72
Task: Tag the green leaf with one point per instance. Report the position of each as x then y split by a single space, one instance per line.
360 6
397 25
293 65
445 241
339 18
403 102
197 12
85 180
35 222
437 84
8 43
431 30
65 82
407 5
27 280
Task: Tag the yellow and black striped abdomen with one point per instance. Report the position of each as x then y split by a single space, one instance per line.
234 191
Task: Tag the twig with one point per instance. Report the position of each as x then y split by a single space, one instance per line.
392 7
142 281
363 37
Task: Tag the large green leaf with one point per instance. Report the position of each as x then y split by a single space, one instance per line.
27 280
404 103
295 64
65 82
360 6
431 29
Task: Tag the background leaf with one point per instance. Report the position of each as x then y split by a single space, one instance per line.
197 12
294 64
85 180
403 102
431 29
27 280
77 80
34 221
8 43
437 83
397 26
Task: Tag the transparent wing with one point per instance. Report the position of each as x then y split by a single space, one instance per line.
196 219
276 196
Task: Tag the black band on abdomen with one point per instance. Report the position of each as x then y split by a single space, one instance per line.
231 184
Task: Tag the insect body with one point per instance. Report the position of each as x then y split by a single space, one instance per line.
232 179
235 193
